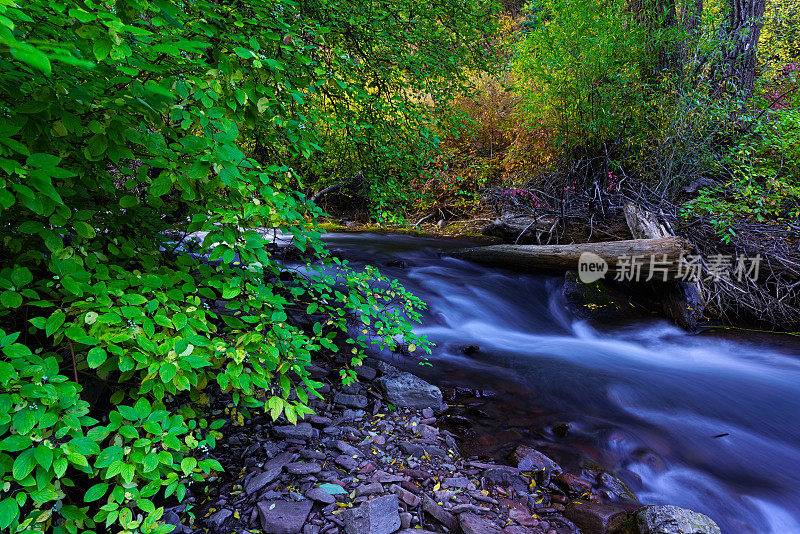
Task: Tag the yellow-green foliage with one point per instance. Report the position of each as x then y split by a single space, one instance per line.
578 67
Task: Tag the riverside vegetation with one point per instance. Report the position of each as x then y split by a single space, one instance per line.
129 126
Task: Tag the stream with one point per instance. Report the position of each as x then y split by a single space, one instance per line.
706 422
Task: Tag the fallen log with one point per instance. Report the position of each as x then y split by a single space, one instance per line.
618 255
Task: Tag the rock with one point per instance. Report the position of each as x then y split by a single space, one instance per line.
467 507
474 524
299 431
353 415
596 518
320 495
346 448
303 468
455 482
534 460
419 449
272 469
346 462
378 516
369 489
673 520
353 401
386 368
405 520
283 517
502 475
409 391
572 484
367 373
444 517
616 488
405 495
217 519
171 518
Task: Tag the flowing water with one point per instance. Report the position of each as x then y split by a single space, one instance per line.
645 400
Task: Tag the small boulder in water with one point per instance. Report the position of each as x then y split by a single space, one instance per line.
672 520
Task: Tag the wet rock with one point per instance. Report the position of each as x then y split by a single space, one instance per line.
409 391
560 429
672 520
272 470
378 516
616 488
572 484
596 518
475 524
302 431
283 517
353 401
320 495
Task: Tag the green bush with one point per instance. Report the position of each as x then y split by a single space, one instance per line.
123 131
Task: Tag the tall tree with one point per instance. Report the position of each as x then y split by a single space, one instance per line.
743 30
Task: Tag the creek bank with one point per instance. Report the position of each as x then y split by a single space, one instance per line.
368 464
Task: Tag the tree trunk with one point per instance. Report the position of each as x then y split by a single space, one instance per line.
691 16
745 21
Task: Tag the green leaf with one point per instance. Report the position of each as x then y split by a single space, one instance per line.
101 49
54 322
128 201
95 492
96 357
24 464
15 443
9 512
10 299
188 464
44 455
150 462
84 229
21 276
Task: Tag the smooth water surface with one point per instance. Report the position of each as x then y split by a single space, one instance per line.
651 397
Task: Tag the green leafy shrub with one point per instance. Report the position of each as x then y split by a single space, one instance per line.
761 177
124 133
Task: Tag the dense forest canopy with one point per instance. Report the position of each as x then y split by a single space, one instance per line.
129 128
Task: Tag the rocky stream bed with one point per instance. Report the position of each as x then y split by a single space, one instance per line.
373 460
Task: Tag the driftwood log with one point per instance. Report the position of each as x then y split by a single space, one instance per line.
682 301
562 258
